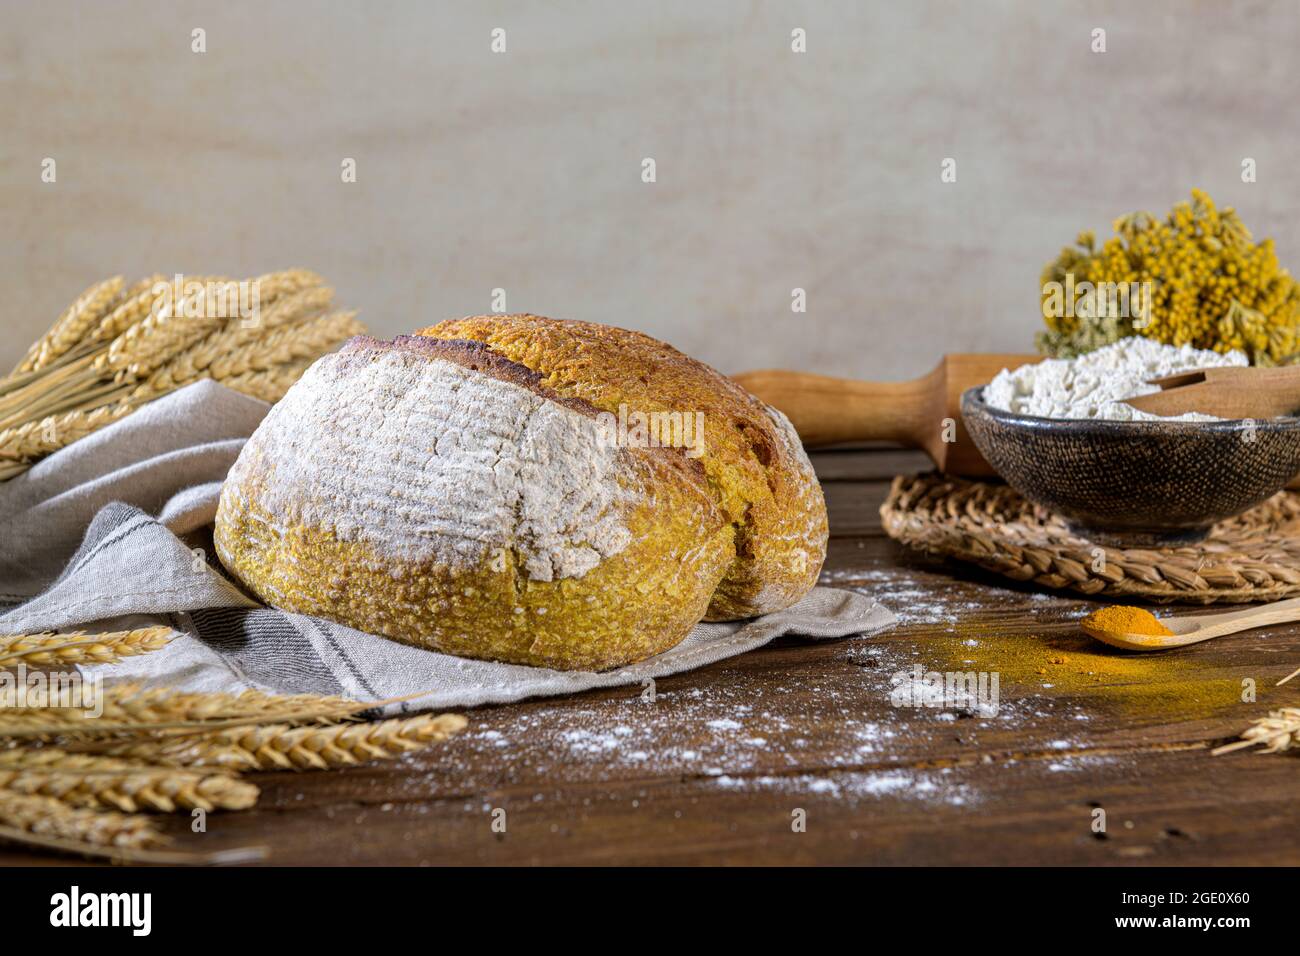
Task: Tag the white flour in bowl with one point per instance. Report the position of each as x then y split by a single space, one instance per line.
1095 385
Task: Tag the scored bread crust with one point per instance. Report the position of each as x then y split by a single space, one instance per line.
443 495
755 465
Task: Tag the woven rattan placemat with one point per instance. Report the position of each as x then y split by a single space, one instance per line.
1253 557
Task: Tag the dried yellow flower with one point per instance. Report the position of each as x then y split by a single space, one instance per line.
1212 286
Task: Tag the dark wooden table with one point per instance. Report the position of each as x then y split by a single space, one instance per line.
728 758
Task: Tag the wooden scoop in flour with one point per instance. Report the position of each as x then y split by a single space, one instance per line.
1231 392
828 411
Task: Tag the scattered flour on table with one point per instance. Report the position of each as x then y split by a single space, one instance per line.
742 737
912 595
1094 385
909 594
932 786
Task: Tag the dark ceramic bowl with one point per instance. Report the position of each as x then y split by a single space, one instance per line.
1136 484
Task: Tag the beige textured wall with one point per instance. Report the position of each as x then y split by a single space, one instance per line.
522 170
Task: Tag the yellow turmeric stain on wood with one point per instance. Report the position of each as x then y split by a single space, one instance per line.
1059 660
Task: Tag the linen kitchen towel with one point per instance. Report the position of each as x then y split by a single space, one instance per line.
168 458
156 474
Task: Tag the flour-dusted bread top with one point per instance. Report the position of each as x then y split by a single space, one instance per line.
354 443
441 494
756 466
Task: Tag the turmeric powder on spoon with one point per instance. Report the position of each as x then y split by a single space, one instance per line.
1134 629
1119 619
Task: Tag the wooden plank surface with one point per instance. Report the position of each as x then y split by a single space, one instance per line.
718 766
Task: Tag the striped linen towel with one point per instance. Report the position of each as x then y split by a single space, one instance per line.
144 492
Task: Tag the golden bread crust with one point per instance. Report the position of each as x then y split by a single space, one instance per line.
457 490
636 601
756 467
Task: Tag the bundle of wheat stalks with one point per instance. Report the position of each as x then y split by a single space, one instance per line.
88 784
118 346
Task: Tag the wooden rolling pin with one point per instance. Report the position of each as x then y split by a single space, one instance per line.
828 411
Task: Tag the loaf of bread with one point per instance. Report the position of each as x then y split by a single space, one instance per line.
488 488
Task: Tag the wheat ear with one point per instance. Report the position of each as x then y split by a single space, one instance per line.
79 648
281 747
265 368
1279 731
24 443
46 816
50 824
129 786
273 285
70 327
98 378
81 317
192 364
295 343
145 346
137 303
164 332
130 711
270 385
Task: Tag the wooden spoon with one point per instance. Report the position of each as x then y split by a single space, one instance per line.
1225 392
1195 628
